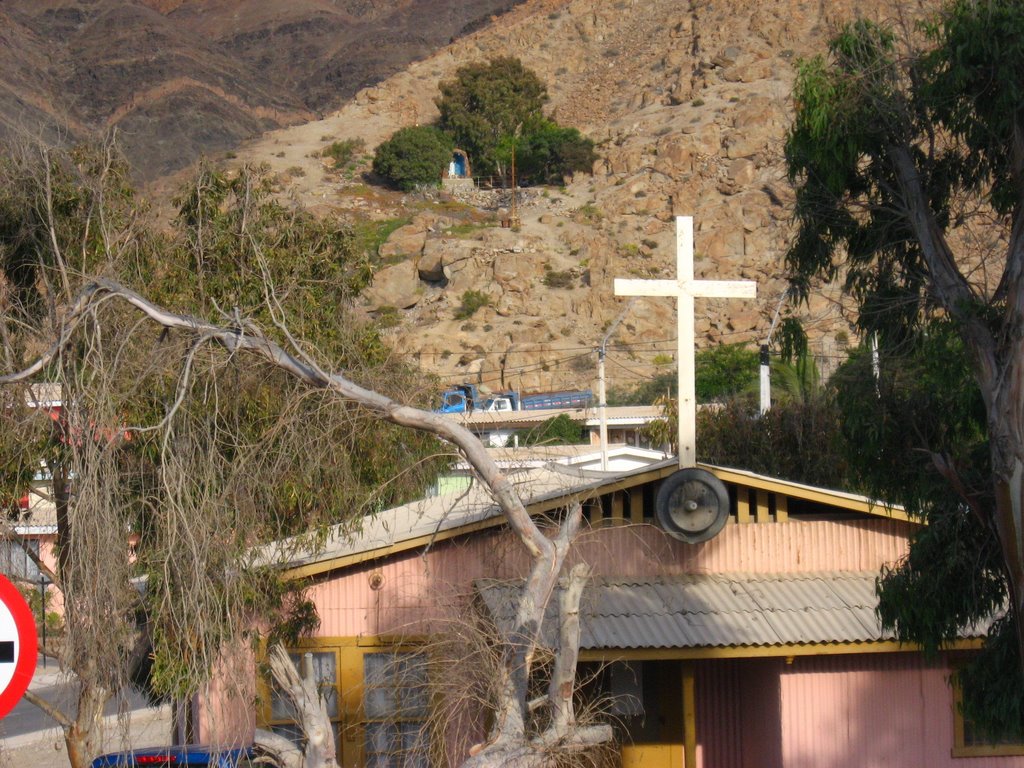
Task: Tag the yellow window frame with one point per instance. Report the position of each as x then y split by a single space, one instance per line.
351 717
960 746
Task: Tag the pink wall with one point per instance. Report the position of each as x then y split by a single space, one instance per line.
839 712
48 554
416 586
224 711
856 711
739 713
870 711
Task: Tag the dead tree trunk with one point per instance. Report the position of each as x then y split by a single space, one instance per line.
310 712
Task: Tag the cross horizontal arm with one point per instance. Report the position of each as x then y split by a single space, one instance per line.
723 289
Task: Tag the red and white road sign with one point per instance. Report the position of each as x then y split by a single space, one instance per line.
18 646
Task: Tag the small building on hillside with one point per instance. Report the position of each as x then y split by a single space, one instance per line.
457 173
759 647
458 167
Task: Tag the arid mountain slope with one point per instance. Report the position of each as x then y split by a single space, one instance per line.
179 78
689 103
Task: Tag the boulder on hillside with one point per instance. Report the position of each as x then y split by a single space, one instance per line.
516 272
404 242
431 264
742 320
678 151
741 172
396 286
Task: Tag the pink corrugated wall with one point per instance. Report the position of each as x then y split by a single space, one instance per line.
870 712
416 586
738 713
226 716
890 710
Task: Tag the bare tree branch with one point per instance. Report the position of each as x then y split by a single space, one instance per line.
63 720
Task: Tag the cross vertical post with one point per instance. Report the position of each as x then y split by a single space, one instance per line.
684 288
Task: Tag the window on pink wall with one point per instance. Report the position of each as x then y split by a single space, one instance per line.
970 741
15 562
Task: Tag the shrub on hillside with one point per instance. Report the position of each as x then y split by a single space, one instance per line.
413 156
549 152
343 153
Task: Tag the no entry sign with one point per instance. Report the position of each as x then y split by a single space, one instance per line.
18 648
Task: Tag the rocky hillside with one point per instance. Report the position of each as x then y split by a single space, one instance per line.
689 103
181 78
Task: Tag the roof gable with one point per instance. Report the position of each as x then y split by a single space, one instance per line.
544 490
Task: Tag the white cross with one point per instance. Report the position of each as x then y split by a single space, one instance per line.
685 289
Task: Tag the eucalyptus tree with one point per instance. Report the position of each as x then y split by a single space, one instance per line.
212 427
169 462
907 150
511 741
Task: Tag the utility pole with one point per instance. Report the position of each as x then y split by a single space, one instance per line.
513 218
766 367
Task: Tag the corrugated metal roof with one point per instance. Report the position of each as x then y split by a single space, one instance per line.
714 610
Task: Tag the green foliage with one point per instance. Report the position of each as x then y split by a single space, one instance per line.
558 430
796 440
82 182
233 238
953 575
24 440
664 432
990 684
343 153
547 152
489 102
34 598
724 371
900 162
472 300
388 316
413 157
224 453
892 420
645 393
798 379
849 112
972 82
929 605
370 234
554 278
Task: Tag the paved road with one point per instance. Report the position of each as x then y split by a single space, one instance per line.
30 738
47 683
